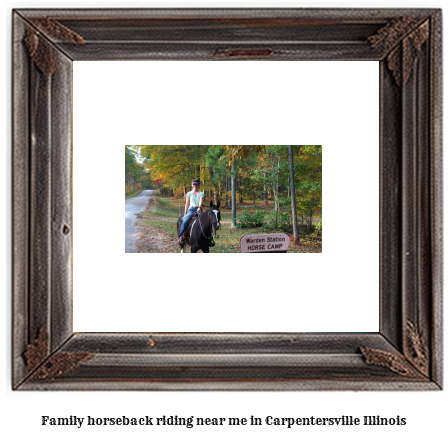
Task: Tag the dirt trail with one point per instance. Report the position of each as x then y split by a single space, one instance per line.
156 241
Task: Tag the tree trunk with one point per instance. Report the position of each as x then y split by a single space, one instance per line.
228 203
265 193
275 173
233 196
295 228
240 188
212 183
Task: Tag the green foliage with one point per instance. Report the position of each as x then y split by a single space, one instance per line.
279 221
173 166
136 177
214 160
250 218
129 188
263 172
133 169
145 181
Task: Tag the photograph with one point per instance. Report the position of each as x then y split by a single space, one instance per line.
223 198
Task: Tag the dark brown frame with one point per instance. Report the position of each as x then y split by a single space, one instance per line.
406 354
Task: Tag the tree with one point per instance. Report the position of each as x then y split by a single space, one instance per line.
172 166
233 196
309 186
217 168
233 153
290 175
293 195
133 170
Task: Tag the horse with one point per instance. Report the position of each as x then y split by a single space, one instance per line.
199 232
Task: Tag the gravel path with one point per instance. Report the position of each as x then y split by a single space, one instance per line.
132 207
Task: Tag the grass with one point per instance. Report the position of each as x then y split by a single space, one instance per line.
133 194
163 208
163 214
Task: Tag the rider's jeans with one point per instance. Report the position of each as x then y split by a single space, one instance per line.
187 217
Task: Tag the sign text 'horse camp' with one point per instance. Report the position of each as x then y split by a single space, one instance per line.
277 242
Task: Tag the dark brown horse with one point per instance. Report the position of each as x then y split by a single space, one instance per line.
199 232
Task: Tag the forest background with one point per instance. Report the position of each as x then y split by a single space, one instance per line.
263 188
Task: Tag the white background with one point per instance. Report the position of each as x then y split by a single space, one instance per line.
260 102
425 412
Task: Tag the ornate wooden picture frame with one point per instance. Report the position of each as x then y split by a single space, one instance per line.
406 353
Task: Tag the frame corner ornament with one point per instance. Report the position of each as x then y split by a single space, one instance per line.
41 366
401 39
395 362
417 348
37 351
40 50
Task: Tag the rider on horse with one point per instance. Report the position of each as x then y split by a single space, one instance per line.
193 204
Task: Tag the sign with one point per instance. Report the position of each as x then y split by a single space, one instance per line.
277 242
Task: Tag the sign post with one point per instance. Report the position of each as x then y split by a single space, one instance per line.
259 243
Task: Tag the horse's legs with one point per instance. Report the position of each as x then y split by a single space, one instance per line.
194 249
205 249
